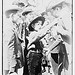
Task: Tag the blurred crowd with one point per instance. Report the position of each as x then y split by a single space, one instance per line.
38 34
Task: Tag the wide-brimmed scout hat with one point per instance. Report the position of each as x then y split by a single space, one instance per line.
40 18
54 3
12 10
21 3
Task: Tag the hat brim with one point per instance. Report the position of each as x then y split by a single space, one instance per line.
40 18
26 12
10 11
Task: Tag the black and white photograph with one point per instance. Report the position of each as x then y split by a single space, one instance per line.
37 37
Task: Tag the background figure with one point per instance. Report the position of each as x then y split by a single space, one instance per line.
15 53
62 29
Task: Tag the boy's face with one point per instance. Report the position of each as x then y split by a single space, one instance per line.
56 12
38 25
